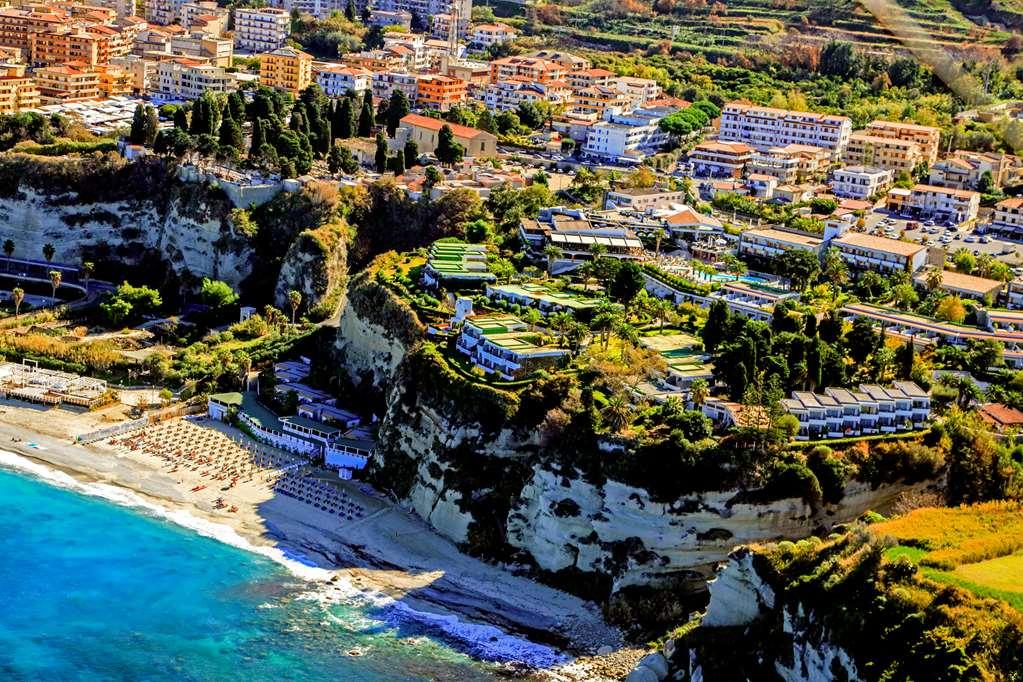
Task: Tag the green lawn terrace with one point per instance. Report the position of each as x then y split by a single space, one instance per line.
506 346
544 297
457 265
685 359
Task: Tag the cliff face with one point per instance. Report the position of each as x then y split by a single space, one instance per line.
316 266
189 226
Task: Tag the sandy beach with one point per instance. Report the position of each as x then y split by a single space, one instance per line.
382 555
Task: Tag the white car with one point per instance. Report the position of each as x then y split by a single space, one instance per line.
971 239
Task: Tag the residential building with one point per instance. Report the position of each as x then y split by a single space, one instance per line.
568 61
163 12
424 10
860 182
425 131
1008 216
720 159
485 35
385 18
627 137
940 203
766 127
113 81
439 92
17 91
476 74
141 72
928 138
589 78
791 164
844 413
286 69
639 92
505 345
218 51
770 242
963 285
206 14
964 169
531 68
596 100
262 29
762 186
123 8
643 199
336 79
66 83
508 95
68 45
18 25
386 82
1001 417
866 252
181 78
893 153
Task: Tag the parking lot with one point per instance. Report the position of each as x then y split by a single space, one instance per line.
943 236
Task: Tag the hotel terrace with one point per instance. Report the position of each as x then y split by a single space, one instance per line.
842 413
540 296
457 264
503 345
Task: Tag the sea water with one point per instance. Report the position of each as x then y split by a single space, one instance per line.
92 590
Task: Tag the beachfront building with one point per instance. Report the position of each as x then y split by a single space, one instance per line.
504 345
1008 216
927 138
458 265
764 128
870 409
866 252
543 297
963 285
860 182
720 159
261 29
771 243
425 132
286 69
897 155
940 203
27 381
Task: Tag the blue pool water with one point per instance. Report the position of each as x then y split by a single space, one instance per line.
748 279
90 590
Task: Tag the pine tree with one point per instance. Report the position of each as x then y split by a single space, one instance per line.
366 117
381 155
397 109
236 105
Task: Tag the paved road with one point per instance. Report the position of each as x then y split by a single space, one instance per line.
1009 251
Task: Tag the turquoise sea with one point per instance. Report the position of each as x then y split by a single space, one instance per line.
90 590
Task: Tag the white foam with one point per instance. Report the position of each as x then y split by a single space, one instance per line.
483 641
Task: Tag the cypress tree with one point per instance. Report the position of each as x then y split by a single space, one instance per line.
344 119
411 153
366 117
258 137
397 109
181 118
231 134
397 163
381 155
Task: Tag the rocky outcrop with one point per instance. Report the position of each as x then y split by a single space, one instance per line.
316 266
85 212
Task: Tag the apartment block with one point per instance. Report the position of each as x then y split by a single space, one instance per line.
384 18
508 95
568 61
206 14
791 164
771 243
926 137
941 203
643 199
485 35
638 91
964 169
588 78
1008 216
883 152
286 69
426 9
18 25
530 68
595 100
113 81
337 80
866 252
505 345
964 286
720 159
870 409
860 182
67 83
627 137
17 91
186 79
440 92
218 51
261 30
68 45
766 127
386 82
163 12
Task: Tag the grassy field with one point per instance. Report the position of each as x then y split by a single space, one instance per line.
978 548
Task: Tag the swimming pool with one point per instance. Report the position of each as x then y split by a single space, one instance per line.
748 279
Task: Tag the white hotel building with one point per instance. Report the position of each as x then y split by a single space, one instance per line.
766 127
860 182
866 252
841 413
770 243
336 80
261 30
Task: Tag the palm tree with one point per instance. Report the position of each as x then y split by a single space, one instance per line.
18 296
553 253
8 251
659 234
86 271
934 279
699 390
48 251
604 320
55 278
660 308
295 299
617 413
628 335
